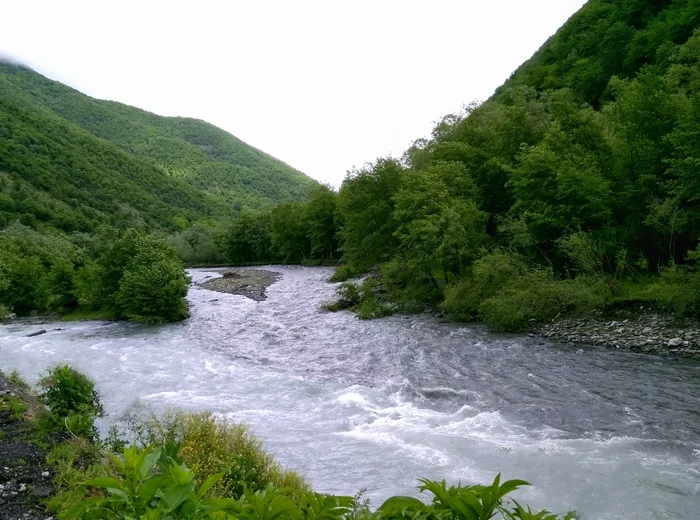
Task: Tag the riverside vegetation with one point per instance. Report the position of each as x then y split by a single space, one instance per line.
573 190
190 466
112 274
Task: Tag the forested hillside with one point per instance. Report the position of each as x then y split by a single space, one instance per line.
576 187
73 162
90 189
609 38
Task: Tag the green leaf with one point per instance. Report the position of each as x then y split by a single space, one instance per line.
148 463
174 496
148 489
510 486
105 482
206 486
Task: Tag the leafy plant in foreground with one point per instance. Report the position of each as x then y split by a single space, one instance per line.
152 485
72 400
477 502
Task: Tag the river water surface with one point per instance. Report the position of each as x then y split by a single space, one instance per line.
377 404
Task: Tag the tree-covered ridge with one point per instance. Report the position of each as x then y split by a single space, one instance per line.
549 198
55 174
608 38
214 173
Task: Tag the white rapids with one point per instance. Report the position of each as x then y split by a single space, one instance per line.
378 404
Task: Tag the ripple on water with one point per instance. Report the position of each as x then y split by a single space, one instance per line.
378 404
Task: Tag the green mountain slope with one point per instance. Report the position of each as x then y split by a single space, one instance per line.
608 38
575 188
73 162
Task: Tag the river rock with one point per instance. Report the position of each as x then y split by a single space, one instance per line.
37 333
675 342
646 330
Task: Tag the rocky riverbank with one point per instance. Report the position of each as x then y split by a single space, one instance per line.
251 283
25 478
636 330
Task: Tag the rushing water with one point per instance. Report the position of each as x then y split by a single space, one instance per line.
377 404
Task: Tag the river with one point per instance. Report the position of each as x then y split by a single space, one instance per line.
377 404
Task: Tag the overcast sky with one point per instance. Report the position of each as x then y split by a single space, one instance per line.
322 85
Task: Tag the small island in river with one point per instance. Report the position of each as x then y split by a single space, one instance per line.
251 283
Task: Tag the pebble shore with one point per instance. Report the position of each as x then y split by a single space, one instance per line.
639 331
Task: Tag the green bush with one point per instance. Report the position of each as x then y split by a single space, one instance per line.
371 308
135 276
476 502
510 297
537 298
154 292
74 461
678 290
490 274
211 446
17 380
150 484
405 288
13 404
72 401
343 273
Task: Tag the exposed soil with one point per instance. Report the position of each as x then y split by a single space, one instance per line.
25 477
251 283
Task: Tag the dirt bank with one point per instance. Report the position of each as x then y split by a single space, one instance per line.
25 477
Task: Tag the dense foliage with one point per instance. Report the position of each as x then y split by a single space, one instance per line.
71 162
72 403
576 187
75 172
191 466
117 274
288 233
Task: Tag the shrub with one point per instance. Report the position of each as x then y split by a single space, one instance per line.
13 404
462 299
5 311
74 461
678 290
72 400
154 292
141 278
149 484
490 274
371 308
343 273
476 502
408 289
510 297
211 446
539 297
17 380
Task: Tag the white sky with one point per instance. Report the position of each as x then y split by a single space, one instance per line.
322 85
